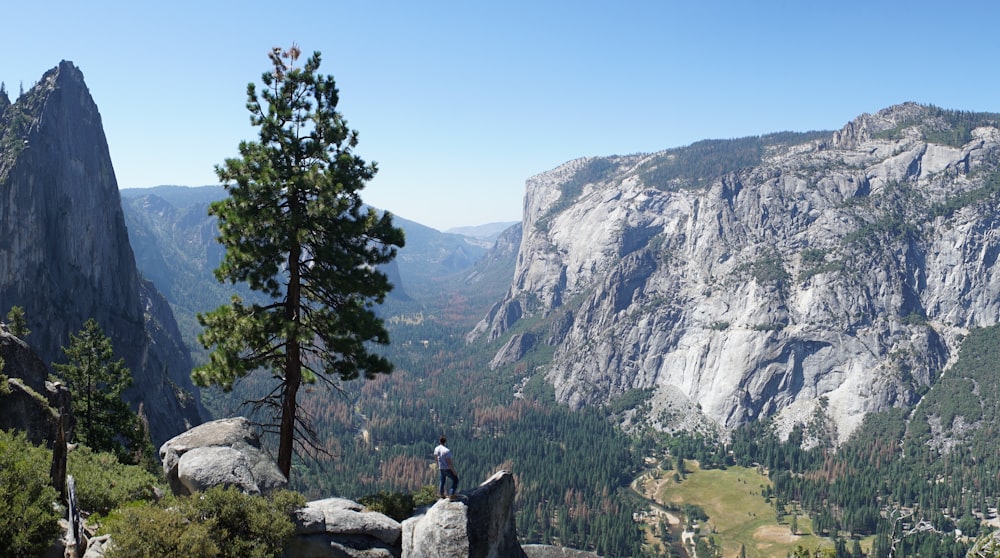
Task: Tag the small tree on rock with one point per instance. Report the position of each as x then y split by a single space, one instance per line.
16 322
295 229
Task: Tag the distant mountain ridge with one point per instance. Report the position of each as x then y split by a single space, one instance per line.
784 275
174 239
488 232
181 197
64 250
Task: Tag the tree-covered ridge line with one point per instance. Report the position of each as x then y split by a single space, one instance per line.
706 161
692 166
943 126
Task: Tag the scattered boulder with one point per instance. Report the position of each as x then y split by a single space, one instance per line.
97 547
223 452
340 528
202 468
478 525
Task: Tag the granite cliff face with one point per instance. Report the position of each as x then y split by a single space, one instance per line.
29 402
64 251
827 274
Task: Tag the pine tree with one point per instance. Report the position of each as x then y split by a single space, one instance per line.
856 550
16 322
294 229
104 421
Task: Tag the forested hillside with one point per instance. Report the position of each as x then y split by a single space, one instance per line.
914 475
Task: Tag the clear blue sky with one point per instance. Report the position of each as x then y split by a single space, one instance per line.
460 102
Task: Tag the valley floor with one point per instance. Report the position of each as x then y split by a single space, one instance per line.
737 513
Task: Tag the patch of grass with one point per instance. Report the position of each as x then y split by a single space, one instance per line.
738 512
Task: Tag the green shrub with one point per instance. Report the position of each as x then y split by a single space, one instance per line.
150 531
777 326
4 386
249 526
769 269
221 522
396 505
426 496
914 318
28 520
103 483
813 256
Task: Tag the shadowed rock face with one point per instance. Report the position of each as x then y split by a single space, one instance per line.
775 276
479 524
64 252
29 402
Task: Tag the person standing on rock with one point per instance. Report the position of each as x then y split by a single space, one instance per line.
446 467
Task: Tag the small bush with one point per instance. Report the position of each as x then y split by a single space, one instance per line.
249 526
769 269
426 496
396 505
103 483
220 522
28 520
914 318
149 531
4 386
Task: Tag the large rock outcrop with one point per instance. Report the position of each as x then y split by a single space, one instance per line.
341 528
64 251
29 402
224 452
477 525
826 274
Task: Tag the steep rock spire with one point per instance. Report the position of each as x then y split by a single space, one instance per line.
64 251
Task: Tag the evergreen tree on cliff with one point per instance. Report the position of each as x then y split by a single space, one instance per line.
96 380
294 228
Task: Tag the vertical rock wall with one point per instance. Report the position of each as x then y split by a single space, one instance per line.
64 251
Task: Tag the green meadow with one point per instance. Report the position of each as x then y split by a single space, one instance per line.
737 512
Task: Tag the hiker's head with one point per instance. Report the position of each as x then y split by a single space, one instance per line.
443 440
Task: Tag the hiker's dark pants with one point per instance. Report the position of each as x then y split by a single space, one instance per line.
446 474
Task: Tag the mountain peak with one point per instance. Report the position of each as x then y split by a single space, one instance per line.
761 277
64 246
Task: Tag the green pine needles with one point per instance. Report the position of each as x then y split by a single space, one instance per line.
295 230
96 379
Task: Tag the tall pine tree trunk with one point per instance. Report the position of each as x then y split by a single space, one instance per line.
293 364
289 407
